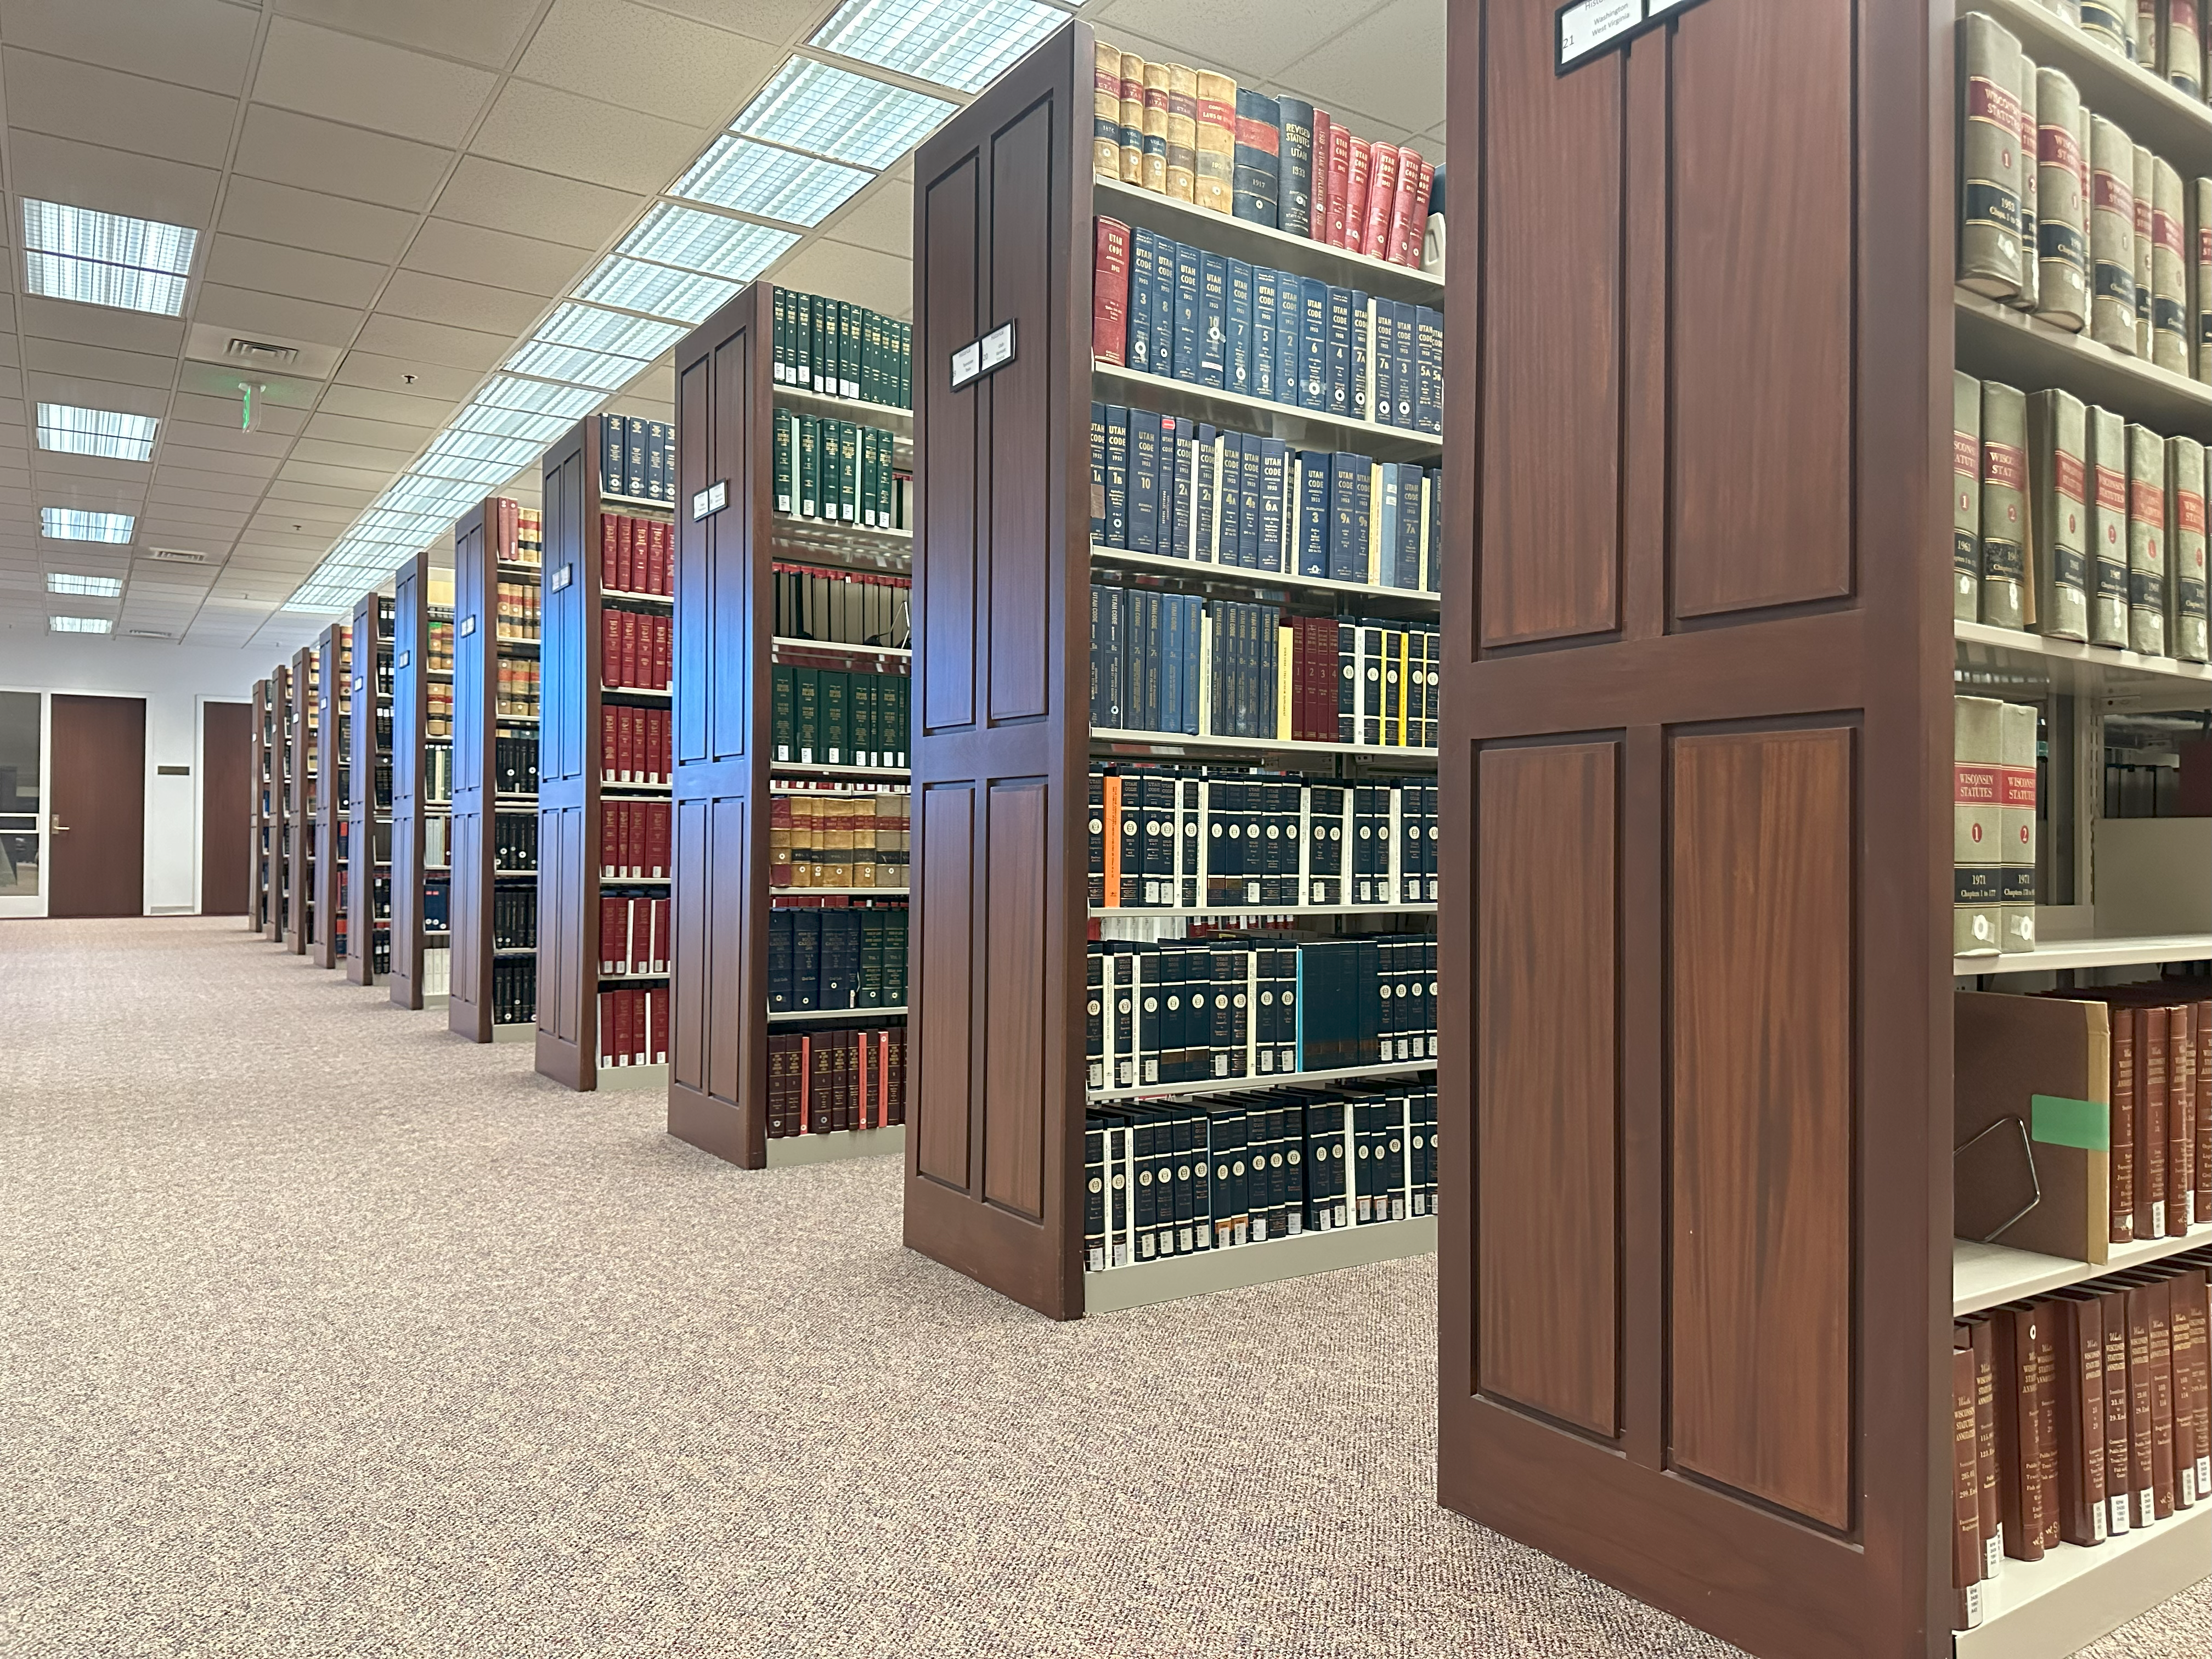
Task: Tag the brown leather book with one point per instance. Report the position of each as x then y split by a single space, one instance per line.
2010 1050
2142 1495
2046 1422
2180 1118
1965 1496
2083 1516
2192 1292
2019 1454
2184 1305
2124 1125
2112 1316
2204 1021
2150 1124
1985 1443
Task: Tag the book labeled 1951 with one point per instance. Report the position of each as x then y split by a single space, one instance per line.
1990 163
2146 183
2202 286
2056 432
2026 298
2107 459
2004 504
1106 113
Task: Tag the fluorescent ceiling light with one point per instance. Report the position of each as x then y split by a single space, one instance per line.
664 291
92 587
693 241
775 183
577 364
834 112
962 43
105 258
79 625
512 453
611 331
69 430
568 402
71 524
510 423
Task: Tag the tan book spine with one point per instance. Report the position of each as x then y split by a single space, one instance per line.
2112 235
2107 457
1133 118
1182 132
2143 35
2169 271
2058 441
2182 59
1991 169
2146 182
1106 112
2016 726
2202 254
2147 542
1978 812
1217 141
2062 203
2185 549
2004 505
1156 128
1965 497
2107 23
2027 296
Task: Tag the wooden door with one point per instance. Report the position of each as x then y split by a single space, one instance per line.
226 807
98 844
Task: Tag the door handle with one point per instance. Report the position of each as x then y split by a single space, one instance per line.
55 824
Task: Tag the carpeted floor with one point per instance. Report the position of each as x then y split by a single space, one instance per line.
324 1333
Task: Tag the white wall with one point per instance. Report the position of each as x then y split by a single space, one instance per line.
175 680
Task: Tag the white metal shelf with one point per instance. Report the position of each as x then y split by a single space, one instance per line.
1998 342
1990 1275
1177 743
1269 581
809 1016
839 892
1221 1085
1310 429
1257 912
859 410
837 648
2056 955
1991 658
2054 1607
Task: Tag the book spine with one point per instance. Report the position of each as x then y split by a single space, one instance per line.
1990 170
2147 542
2182 54
1110 305
2181 1061
1359 161
1256 195
1978 814
2016 785
2104 457
2169 271
1340 184
2201 283
1382 164
2111 236
2027 296
1138 335
2061 204
2057 430
1965 1496
1965 497
1296 214
1156 128
1130 109
1182 133
2146 183
1981 1335
1217 142
2185 548
2004 504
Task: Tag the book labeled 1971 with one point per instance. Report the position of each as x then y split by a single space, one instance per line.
2026 297
2147 541
2016 744
2146 181
1977 828
2169 271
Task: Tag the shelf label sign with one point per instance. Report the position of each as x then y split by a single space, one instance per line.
987 355
967 363
406 658
1585 29
468 626
711 499
564 576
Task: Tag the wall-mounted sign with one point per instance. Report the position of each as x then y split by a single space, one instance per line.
1585 29
357 682
468 626
405 658
967 363
711 499
997 347
564 576
984 356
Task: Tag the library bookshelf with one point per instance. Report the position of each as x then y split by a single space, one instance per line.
259 856
495 877
574 795
1695 1322
305 750
333 834
421 770
277 928
369 805
727 774
1004 744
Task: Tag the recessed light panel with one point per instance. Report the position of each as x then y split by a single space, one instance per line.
91 587
578 364
480 416
693 241
70 524
513 454
775 183
665 292
79 625
834 112
567 402
955 42
105 258
611 331
73 431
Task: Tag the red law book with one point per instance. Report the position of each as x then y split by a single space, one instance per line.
664 630
664 559
1109 293
1401 205
1339 184
1359 160
1317 214
625 624
666 722
1383 163
607 1022
609 940
610 648
607 532
657 1053
660 826
664 936
633 841
608 743
806 1085
606 839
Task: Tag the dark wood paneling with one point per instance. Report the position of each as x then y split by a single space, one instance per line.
1762 1021
363 811
1551 398
300 803
1769 383
1002 234
476 666
939 990
1547 996
411 636
227 787
568 763
280 800
96 755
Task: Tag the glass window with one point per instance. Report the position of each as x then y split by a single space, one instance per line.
23 793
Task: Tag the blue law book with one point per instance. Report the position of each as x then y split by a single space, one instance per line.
1143 254
1194 641
1313 344
1170 666
1411 482
1174 501
1339 353
1097 474
1118 476
1313 513
1362 354
1248 509
1263 333
1386 564
1188 322
1213 319
1143 482
1347 536
1386 362
1274 467
1163 308
613 454
1239 379
1204 494
1405 382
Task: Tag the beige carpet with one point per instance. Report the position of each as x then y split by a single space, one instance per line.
324 1333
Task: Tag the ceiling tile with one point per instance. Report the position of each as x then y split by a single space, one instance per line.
783 21
308 219
397 408
337 477
436 342
425 298
93 362
170 497
1366 68
881 216
379 372
114 180
578 137
882 281
479 30
623 53
367 83
379 434
532 202
273 317
53 464
1259 38
372 166
469 253
391 461
102 326
225 461
195 43
300 273
124 112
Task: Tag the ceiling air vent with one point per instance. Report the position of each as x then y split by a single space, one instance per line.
147 634
261 352
174 554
